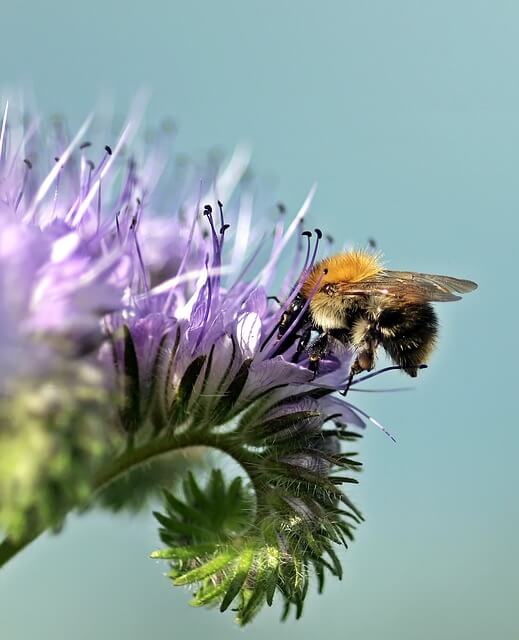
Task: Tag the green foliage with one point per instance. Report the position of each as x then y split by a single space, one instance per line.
239 551
51 444
137 488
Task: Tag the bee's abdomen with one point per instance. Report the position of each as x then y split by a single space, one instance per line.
408 334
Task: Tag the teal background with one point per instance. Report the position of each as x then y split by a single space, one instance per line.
407 116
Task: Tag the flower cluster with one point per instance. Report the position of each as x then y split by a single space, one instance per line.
138 320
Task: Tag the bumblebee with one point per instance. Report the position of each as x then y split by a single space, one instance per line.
351 298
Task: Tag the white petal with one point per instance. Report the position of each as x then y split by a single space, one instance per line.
248 331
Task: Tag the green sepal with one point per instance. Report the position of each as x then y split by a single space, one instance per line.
183 553
178 409
231 395
242 570
208 569
130 412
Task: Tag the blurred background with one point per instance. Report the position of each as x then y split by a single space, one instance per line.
407 115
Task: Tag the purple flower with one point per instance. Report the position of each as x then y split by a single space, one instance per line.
140 319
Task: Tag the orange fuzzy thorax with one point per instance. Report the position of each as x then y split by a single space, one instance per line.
350 266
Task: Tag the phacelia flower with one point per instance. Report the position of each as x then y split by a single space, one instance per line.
138 320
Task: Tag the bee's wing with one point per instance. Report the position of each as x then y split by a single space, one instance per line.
409 286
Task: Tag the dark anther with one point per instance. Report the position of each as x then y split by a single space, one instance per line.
85 145
325 271
329 238
56 158
133 223
208 209
372 243
308 234
28 163
91 165
108 150
318 233
281 208
222 223
224 228
139 202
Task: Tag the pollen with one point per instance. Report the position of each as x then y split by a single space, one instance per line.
349 266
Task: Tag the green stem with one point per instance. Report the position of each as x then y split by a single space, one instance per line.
132 458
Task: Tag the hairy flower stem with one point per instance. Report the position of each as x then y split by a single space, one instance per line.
133 457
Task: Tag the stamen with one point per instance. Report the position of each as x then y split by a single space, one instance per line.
300 315
208 212
295 289
190 237
222 221
27 168
372 420
207 307
223 228
56 190
2 131
133 227
98 208
118 228
247 266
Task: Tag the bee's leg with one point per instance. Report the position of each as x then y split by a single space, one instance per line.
363 339
317 350
304 339
348 384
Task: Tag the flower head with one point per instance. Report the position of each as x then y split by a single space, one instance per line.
141 320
